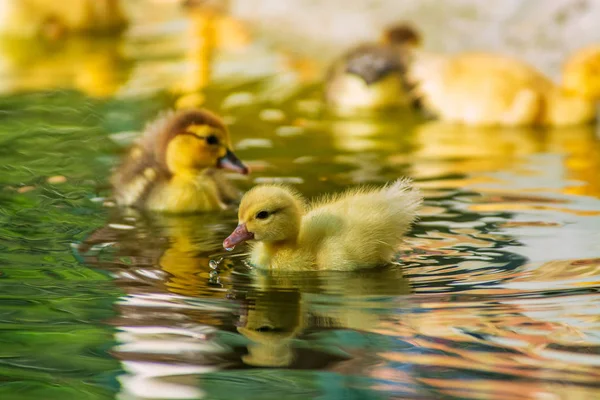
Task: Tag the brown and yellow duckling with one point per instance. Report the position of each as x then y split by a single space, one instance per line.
174 167
372 76
486 89
360 228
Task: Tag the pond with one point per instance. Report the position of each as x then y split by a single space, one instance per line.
494 295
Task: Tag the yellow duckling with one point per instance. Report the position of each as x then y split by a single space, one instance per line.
371 76
54 19
173 167
483 89
357 229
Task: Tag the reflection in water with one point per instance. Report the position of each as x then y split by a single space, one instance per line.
282 306
446 149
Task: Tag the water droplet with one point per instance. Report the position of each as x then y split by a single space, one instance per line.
229 248
214 264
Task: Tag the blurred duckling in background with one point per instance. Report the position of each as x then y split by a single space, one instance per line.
211 31
173 167
371 76
484 89
360 228
55 19
97 67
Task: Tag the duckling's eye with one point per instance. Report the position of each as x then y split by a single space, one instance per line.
262 215
212 140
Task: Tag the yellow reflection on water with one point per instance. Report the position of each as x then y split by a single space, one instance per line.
581 149
280 307
446 149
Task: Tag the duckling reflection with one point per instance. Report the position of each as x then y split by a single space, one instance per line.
442 148
386 133
161 252
161 263
580 146
96 66
285 306
272 321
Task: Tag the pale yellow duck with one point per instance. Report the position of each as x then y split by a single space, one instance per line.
485 89
173 167
372 76
54 19
360 228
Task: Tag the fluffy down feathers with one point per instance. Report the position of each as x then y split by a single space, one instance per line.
359 228
482 89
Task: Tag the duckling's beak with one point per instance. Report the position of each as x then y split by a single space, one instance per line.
239 235
230 162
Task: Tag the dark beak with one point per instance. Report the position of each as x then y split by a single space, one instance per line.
239 235
232 163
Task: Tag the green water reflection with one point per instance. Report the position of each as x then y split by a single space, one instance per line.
494 294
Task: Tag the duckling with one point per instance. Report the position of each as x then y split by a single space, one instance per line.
55 19
483 89
358 229
371 76
173 167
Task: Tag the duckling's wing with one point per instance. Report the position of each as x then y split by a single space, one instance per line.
134 179
152 131
361 227
141 168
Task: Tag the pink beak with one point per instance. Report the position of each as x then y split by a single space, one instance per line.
239 235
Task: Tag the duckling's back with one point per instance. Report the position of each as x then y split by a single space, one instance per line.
479 88
360 228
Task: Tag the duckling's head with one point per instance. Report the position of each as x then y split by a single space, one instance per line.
194 140
401 34
268 213
581 73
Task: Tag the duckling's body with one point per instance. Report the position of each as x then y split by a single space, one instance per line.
483 89
372 76
367 77
172 168
360 228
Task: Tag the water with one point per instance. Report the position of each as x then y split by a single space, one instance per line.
494 295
